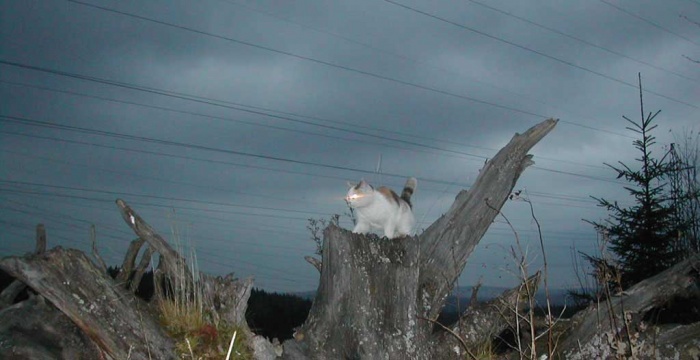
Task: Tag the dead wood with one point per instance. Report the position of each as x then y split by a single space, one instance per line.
171 262
624 323
111 317
482 322
129 260
313 261
35 329
96 254
370 285
229 297
141 268
40 239
372 291
9 294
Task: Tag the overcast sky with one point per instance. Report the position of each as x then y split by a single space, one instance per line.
236 121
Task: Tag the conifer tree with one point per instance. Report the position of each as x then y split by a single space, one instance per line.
642 236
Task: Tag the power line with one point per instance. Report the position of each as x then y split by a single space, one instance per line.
522 47
449 152
241 153
564 197
154 178
502 230
347 68
649 22
121 193
211 102
306 58
576 38
199 249
210 259
157 153
400 56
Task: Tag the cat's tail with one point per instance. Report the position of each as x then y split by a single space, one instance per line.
408 190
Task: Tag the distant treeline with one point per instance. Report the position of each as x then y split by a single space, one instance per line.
275 315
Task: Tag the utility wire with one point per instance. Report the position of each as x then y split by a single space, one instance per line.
176 207
121 193
347 68
388 52
583 41
241 153
447 152
537 52
562 197
162 108
649 22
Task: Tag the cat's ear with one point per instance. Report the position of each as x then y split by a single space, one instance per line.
351 185
362 184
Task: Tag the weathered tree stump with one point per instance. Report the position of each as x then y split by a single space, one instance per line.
375 294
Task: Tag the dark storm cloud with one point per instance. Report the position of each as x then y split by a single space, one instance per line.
323 87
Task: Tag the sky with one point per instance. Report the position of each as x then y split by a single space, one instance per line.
228 124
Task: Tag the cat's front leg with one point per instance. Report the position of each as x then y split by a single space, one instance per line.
390 231
361 228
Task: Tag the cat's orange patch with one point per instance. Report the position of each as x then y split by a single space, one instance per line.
389 194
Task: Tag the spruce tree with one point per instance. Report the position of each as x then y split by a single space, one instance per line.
641 236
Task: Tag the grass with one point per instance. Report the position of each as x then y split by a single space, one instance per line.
186 313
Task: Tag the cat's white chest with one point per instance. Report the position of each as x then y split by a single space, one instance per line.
376 214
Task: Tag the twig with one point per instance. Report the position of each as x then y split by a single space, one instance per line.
313 261
550 318
40 239
93 237
459 338
230 347
190 348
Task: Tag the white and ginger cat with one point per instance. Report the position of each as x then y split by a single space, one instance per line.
382 208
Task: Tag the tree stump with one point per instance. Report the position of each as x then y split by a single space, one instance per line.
375 295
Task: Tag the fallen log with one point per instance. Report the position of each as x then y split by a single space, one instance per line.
35 329
112 318
625 325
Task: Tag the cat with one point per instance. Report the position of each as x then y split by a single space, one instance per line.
382 208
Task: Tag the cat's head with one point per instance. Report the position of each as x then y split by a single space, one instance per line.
359 195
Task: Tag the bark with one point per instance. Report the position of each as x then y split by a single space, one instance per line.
313 261
95 253
35 329
624 323
107 314
229 297
40 239
129 260
481 323
225 297
9 294
370 285
141 269
171 262
373 293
